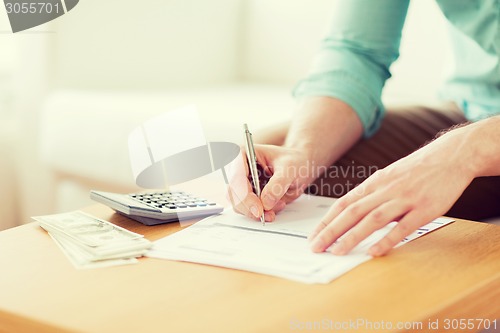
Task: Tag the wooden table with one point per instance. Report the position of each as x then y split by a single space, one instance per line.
452 273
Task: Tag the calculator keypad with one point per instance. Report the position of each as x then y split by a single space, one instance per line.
171 200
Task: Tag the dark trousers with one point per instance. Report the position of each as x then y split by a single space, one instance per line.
403 131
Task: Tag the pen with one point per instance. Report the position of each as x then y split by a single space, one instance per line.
252 163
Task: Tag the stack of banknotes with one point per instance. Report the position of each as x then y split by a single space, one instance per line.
90 242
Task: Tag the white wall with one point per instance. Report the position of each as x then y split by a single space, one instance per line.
282 37
151 44
8 132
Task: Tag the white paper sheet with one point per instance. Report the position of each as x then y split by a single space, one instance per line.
279 248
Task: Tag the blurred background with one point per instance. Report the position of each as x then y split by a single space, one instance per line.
71 90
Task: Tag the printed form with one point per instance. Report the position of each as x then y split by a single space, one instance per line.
279 248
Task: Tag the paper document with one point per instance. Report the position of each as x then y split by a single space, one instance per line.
279 248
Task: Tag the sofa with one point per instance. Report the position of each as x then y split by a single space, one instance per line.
106 66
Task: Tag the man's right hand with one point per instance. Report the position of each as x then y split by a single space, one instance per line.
287 173
322 130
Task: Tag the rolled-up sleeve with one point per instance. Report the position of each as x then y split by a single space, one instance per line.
354 59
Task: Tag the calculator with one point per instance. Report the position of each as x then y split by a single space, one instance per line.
152 208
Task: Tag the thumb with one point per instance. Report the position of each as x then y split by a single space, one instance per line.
276 187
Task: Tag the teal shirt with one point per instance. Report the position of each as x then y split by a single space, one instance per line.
363 41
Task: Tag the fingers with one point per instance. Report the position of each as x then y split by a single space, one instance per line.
269 215
345 220
242 197
408 224
240 193
332 213
280 205
280 186
239 185
293 193
250 206
338 207
353 225
372 222
277 187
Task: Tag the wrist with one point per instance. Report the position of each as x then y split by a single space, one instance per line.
477 148
484 138
305 148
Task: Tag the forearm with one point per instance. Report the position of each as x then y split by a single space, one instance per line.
324 129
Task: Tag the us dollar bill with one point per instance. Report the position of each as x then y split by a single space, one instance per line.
90 242
86 229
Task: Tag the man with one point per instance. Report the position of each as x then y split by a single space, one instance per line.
342 123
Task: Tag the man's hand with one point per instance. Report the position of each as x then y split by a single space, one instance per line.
323 129
286 172
412 191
